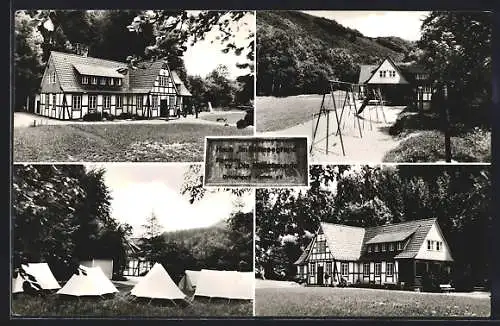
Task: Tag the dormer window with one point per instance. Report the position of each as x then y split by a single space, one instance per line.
93 80
103 81
391 246
119 82
85 80
383 246
400 245
111 81
52 78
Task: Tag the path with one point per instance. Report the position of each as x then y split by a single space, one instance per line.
370 148
24 119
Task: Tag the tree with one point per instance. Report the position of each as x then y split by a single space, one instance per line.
457 51
152 227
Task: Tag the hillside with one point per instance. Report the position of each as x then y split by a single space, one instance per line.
297 53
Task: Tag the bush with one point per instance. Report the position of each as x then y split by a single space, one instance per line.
125 115
108 117
93 116
247 120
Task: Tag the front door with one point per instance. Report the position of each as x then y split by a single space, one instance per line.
163 108
320 275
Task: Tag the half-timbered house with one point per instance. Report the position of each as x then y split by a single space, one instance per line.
394 254
398 82
74 85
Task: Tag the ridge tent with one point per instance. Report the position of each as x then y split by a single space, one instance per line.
42 274
225 284
157 284
189 281
95 283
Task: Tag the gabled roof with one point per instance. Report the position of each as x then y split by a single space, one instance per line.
365 72
181 88
139 79
403 81
406 69
349 243
345 242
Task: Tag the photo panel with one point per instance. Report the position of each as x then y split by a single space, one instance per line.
129 240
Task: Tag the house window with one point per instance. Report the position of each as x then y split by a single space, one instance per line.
103 81
383 246
111 81
52 78
378 269
85 80
54 101
366 269
107 101
430 245
93 80
391 246
321 246
154 101
344 267
370 248
139 102
92 102
400 245
47 99
393 73
77 102
380 73
376 248
439 245
329 268
390 269
119 82
119 101
311 268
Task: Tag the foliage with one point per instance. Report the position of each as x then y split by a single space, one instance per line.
299 53
459 196
457 51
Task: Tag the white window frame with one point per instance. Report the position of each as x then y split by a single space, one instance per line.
391 246
312 268
93 80
400 245
102 81
139 102
111 82
430 245
76 102
119 101
389 271
85 80
378 266
106 102
383 247
366 271
344 269
119 81
92 102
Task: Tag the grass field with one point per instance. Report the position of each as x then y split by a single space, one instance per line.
277 113
232 117
117 142
355 302
120 305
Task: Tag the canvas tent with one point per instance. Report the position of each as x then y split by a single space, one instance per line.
42 274
157 284
189 281
225 284
106 265
94 283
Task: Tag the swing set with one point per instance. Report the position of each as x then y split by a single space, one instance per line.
343 97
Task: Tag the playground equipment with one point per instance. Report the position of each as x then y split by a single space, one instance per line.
343 96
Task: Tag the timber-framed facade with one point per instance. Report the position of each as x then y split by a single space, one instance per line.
75 85
397 254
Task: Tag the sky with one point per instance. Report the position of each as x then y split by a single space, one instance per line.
140 188
204 56
405 24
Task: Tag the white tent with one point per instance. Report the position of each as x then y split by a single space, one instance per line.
106 265
157 284
225 284
93 284
42 274
189 280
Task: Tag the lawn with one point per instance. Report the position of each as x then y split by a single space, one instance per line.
277 113
171 142
52 305
355 302
231 117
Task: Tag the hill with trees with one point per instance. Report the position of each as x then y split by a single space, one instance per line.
298 53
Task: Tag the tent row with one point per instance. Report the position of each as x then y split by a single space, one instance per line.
157 284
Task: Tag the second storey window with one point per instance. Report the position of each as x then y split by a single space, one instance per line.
376 248
76 102
119 101
383 246
52 78
85 80
103 81
119 82
400 245
93 80
390 269
138 100
439 245
393 73
430 245
391 246
92 102
111 81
